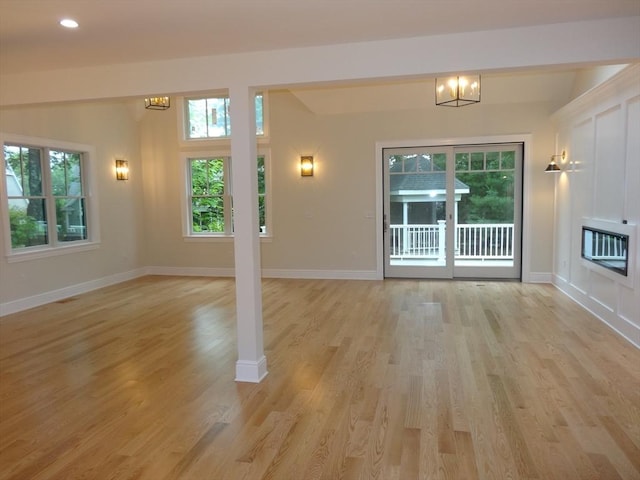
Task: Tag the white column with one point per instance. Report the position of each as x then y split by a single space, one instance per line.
252 364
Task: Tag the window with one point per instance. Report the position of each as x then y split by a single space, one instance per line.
209 117
210 195
46 199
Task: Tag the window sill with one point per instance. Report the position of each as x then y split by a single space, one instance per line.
216 142
44 252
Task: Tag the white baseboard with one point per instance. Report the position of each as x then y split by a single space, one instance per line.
617 323
191 271
267 273
251 371
320 274
538 277
66 292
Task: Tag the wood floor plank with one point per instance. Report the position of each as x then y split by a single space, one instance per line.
394 379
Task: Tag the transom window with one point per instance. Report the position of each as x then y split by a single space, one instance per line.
209 117
210 196
46 196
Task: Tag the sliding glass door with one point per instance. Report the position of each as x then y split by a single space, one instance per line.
453 211
417 212
489 216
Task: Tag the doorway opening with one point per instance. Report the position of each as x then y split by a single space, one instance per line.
453 211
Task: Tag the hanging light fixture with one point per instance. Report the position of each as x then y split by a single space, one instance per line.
458 91
553 166
157 103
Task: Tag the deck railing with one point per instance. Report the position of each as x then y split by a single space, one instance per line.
605 246
472 241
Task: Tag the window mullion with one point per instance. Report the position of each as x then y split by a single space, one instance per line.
49 199
226 117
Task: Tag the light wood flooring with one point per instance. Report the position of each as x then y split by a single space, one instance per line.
390 380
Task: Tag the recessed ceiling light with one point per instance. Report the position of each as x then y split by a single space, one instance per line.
68 23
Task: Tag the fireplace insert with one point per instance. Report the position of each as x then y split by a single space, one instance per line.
607 249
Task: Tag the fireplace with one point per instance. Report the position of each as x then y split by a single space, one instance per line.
605 248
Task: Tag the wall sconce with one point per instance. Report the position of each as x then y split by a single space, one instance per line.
122 170
553 166
157 103
306 166
458 91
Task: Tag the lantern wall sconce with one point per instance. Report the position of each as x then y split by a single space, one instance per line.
553 166
157 103
122 170
458 91
306 166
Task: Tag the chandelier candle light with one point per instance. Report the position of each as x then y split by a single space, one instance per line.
458 91
157 103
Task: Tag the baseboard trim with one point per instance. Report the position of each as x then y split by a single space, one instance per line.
320 274
622 326
267 273
16 306
191 271
538 277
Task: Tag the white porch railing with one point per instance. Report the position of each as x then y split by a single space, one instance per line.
605 246
472 241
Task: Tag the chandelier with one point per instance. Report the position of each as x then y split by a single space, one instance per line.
458 91
157 103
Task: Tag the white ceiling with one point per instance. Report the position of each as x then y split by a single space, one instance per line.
124 31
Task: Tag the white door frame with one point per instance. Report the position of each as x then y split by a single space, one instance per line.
525 139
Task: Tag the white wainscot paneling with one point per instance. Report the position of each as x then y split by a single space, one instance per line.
630 305
581 161
632 189
603 186
563 226
610 165
579 272
603 290
579 276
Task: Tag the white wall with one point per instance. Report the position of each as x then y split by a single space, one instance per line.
325 225
600 181
111 128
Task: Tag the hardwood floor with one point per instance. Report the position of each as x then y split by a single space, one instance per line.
390 380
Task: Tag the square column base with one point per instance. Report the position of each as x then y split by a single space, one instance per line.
251 372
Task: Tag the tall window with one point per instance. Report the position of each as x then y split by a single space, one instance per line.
209 117
46 197
210 195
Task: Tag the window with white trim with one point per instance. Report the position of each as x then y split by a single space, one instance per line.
209 118
45 196
210 197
